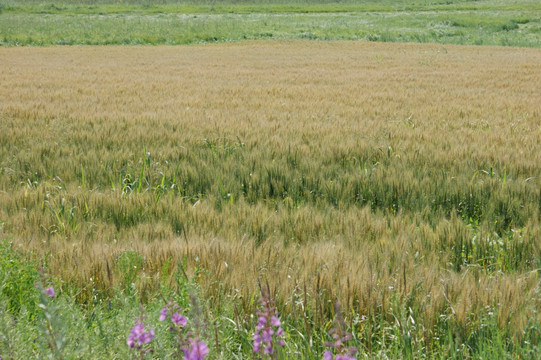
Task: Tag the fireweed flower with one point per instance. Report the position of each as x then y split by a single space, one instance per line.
197 350
190 347
139 337
163 313
178 319
49 292
51 324
340 338
328 356
269 334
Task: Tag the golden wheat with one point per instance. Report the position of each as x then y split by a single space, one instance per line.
371 173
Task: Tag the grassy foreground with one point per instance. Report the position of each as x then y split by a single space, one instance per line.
400 180
487 22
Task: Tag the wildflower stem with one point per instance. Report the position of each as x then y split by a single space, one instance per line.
52 341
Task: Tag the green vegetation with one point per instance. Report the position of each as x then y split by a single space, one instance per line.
145 22
99 329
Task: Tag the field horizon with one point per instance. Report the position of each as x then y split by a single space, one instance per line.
142 22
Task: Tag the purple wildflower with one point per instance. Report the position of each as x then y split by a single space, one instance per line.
197 350
340 338
49 292
344 357
261 322
139 337
257 342
189 346
178 319
269 334
163 313
327 355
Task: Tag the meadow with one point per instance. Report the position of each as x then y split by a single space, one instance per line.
400 180
137 22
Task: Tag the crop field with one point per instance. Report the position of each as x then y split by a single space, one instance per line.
401 180
298 180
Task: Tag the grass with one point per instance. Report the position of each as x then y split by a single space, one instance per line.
42 23
400 180
100 330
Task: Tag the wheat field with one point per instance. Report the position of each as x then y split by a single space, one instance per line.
371 173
